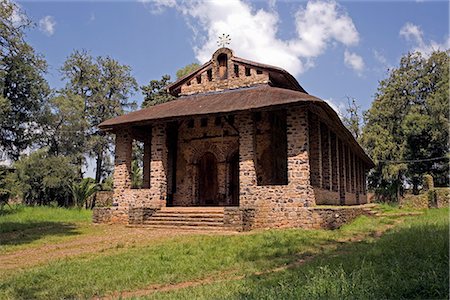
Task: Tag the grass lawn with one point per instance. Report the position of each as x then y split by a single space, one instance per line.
410 260
22 225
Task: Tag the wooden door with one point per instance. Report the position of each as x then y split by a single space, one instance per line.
208 185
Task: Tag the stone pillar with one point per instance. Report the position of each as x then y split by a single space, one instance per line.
122 167
298 158
347 170
357 179
247 171
315 151
146 161
341 171
158 164
326 157
334 163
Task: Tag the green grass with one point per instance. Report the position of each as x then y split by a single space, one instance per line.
25 225
411 261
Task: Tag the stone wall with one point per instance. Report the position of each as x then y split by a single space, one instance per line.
236 75
137 215
115 215
276 205
104 198
331 217
338 175
196 137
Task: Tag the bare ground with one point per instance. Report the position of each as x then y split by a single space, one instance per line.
109 237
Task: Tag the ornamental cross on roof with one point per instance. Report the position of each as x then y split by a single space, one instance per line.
224 40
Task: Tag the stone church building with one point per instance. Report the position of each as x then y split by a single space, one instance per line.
242 146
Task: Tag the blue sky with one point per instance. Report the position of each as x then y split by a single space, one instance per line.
333 49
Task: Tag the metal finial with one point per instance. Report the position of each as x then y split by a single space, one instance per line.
224 40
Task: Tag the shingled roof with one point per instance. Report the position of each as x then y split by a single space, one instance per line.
232 101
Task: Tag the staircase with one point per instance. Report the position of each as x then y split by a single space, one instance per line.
190 218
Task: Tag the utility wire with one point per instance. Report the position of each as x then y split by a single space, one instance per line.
413 160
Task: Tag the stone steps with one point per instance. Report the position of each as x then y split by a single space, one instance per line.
187 218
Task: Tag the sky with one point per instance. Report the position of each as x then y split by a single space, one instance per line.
334 49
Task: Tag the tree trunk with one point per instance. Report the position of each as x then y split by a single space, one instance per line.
98 171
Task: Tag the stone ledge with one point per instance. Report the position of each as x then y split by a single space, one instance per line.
109 215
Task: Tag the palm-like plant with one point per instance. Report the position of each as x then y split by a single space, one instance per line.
83 190
136 175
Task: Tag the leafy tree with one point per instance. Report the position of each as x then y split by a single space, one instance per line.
82 191
104 86
406 131
23 89
65 127
187 70
43 178
155 92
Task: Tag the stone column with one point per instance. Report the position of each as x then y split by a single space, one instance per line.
326 157
122 167
146 161
247 171
334 163
301 192
342 189
158 164
315 151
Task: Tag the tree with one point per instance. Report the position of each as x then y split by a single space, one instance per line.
406 131
43 178
352 118
155 92
82 191
104 86
23 89
187 70
66 125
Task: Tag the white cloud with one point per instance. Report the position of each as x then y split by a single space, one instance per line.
92 17
354 61
47 25
414 34
338 107
254 32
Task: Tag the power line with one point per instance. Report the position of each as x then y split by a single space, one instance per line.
413 160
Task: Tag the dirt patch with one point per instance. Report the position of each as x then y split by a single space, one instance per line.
231 276
108 237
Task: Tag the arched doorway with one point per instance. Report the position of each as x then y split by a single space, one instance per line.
208 185
234 179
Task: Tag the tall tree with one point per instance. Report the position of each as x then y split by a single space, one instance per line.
64 131
156 93
406 131
105 86
352 118
23 89
187 70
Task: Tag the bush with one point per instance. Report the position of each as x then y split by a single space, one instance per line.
43 178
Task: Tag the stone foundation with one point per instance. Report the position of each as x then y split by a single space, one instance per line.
109 215
103 198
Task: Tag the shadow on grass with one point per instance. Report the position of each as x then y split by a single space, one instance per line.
410 262
17 233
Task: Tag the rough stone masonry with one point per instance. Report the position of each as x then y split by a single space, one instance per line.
243 136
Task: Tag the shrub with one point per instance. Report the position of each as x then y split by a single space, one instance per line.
43 178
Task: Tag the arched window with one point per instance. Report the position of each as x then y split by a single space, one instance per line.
222 59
